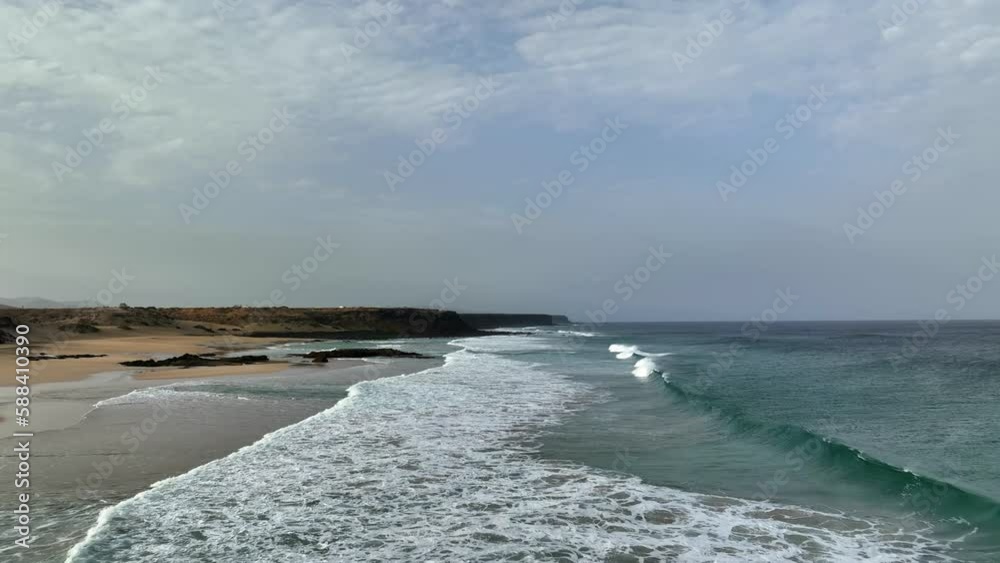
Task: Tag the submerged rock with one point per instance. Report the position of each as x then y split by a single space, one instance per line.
44 357
322 356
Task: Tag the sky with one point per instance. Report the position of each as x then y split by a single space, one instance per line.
644 160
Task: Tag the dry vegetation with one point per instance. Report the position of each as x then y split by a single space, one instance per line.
347 322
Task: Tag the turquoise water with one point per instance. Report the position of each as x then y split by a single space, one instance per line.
652 442
811 414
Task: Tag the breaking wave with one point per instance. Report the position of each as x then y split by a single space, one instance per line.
917 492
626 351
158 395
645 368
441 465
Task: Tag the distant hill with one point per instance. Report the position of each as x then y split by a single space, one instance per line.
39 303
272 322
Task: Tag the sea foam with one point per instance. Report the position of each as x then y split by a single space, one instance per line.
645 368
442 465
627 351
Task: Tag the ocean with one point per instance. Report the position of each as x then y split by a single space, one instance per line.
693 442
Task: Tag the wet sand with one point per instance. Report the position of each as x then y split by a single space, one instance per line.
80 466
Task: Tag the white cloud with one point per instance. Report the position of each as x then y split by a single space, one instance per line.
222 79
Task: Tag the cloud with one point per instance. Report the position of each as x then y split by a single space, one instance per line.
364 86
221 81
223 77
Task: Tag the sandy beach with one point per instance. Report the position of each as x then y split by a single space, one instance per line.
103 433
118 346
104 376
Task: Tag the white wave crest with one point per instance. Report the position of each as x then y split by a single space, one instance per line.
626 351
577 333
159 395
623 351
645 368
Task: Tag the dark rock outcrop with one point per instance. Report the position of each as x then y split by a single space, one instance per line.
359 323
191 360
322 356
45 357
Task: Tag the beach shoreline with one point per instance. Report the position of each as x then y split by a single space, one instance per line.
105 437
110 350
104 376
